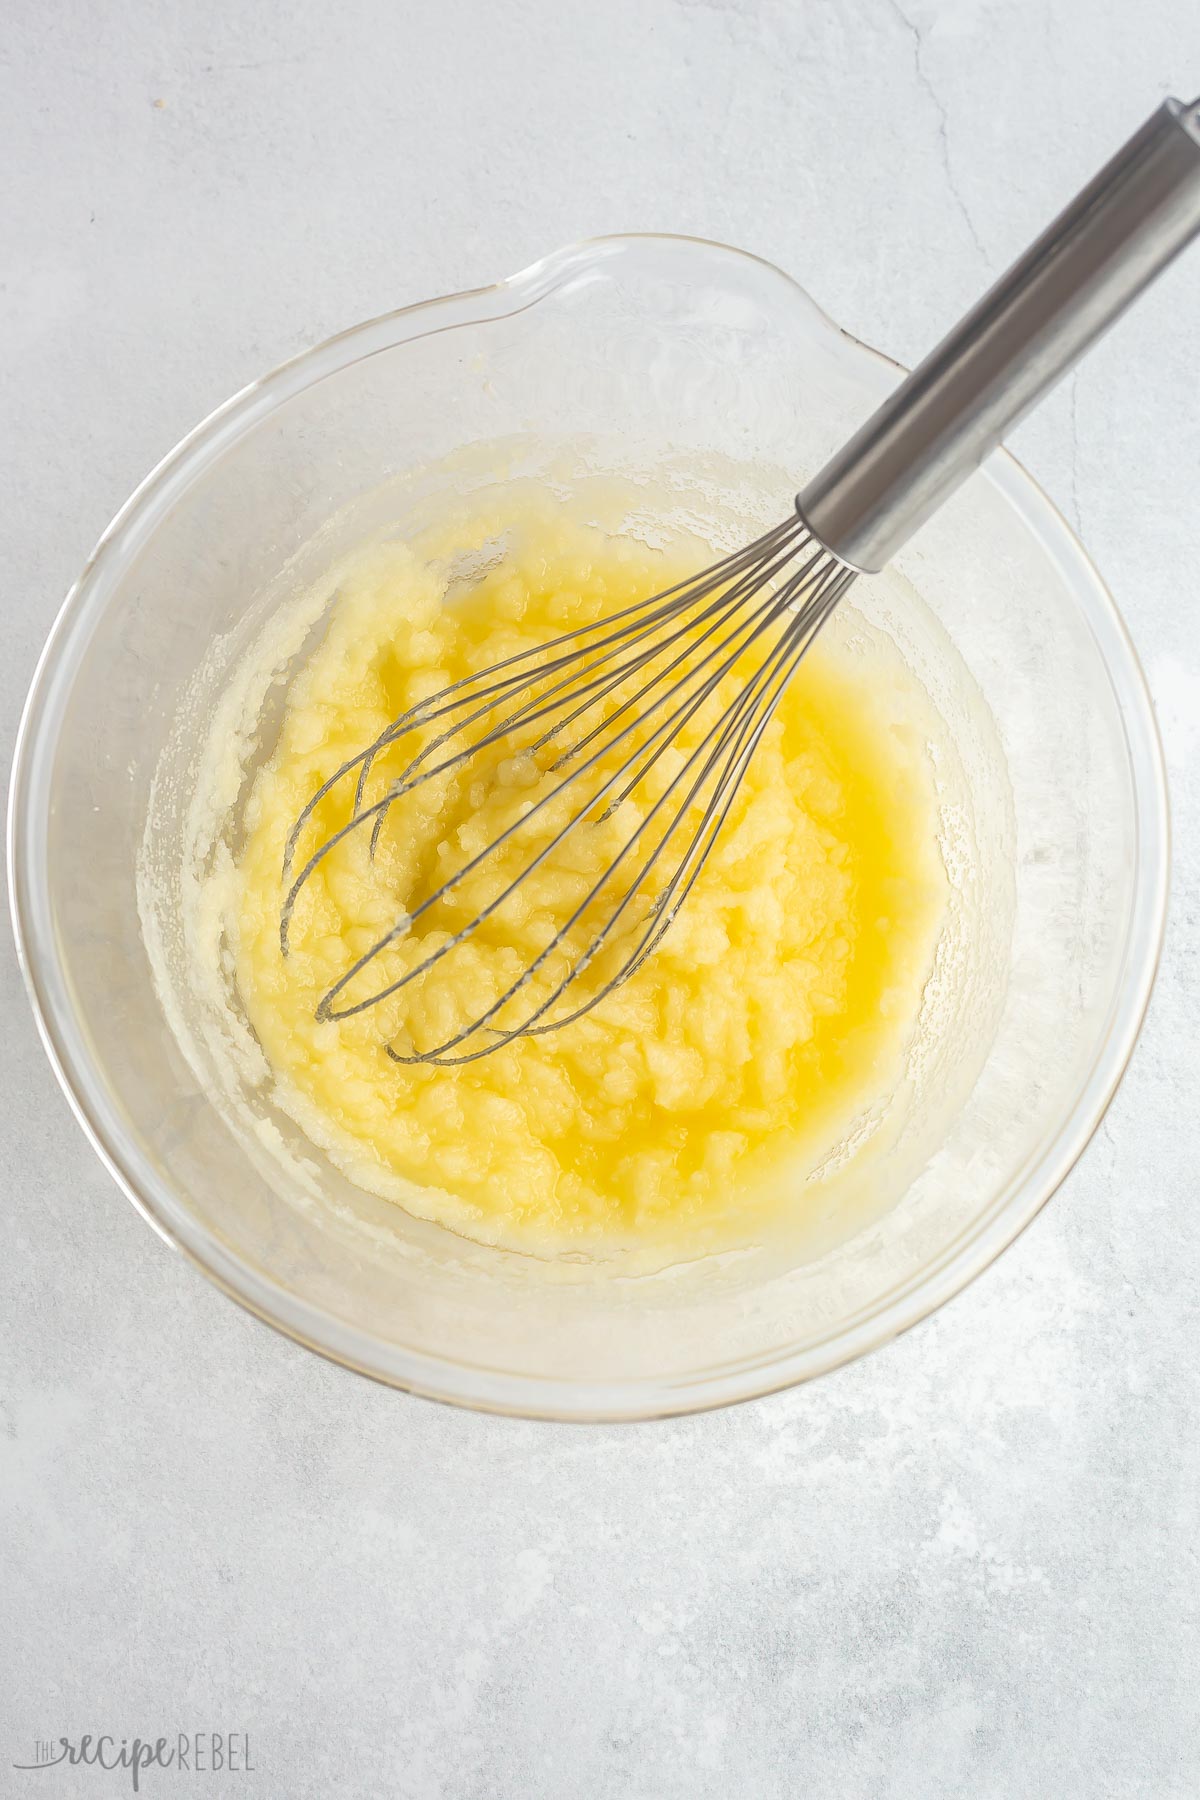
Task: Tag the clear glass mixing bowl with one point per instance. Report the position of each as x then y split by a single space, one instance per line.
656 351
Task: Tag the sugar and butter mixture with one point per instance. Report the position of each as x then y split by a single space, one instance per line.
687 1107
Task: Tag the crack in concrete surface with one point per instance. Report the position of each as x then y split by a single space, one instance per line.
927 87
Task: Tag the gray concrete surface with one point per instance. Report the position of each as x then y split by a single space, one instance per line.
966 1566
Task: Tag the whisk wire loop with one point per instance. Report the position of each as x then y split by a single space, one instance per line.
646 672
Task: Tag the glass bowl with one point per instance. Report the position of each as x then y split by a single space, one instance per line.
655 353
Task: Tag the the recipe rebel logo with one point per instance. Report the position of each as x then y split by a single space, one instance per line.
194 1752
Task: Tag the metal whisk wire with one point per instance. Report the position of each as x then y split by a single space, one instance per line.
766 601
736 739
715 619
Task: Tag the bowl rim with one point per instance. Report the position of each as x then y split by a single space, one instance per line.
1027 1189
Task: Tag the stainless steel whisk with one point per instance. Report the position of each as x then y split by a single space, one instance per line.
638 680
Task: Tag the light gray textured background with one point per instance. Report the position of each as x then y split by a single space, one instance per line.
967 1566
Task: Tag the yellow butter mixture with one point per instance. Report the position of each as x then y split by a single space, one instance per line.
687 1108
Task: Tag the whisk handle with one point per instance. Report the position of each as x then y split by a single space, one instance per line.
1010 349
